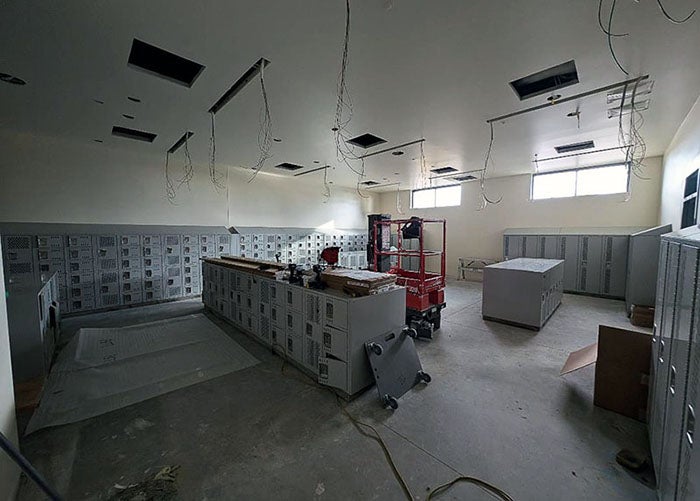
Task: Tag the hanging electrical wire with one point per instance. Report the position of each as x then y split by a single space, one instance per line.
632 140
214 177
188 174
609 34
170 191
670 17
602 27
485 200
326 186
265 130
424 174
399 206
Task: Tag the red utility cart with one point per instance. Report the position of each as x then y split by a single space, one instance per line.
425 291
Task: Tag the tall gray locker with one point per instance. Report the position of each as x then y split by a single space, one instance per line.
513 246
676 368
568 245
549 247
590 259
642 267
531 246
614 265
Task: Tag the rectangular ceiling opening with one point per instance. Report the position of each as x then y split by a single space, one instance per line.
542 82
369 183
443 170
137 135
464 177
568 148
239 84
164 64
366 140
288 166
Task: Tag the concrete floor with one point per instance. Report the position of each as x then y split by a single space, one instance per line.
497 409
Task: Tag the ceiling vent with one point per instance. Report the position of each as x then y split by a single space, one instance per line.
570 148
464 177
137 135
443 170
239 84
369 183
542 82
288 166
164 64
366 140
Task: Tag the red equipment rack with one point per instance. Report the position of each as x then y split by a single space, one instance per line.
425 291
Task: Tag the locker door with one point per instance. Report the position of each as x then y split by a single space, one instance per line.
568 251
590 258
513 246
689 469
660 287
676 390
531 246
661 375
614 266
549 247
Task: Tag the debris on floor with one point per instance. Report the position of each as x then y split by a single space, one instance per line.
162 487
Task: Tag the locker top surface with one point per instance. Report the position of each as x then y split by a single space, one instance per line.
527 264
105 229
686 235
657 230
611 230
262 230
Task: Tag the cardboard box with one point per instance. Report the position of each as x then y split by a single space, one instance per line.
642 316
623 359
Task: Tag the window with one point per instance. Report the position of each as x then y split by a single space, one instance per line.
604 180
444 196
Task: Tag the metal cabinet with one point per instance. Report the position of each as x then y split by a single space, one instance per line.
614 265
590 259
513 246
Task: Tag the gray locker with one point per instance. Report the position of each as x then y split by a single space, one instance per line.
531 246
642 267
18 259
663 351
590 260
568 251
513 246
549 247
614 266
678 371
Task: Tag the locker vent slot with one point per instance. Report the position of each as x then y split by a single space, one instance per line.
18 268
108 264
109 278
584 249
523 246
312 352
583 279
108 241
264 292
542 247
173 260
606 283
608 250
110 299
172 240
18 243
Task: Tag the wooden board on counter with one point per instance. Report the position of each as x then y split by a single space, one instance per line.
357 282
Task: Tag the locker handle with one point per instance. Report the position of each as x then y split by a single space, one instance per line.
690 425
662 345
672 384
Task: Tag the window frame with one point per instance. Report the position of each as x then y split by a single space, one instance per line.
434 189
576 171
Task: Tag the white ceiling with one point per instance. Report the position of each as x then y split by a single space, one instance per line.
435 70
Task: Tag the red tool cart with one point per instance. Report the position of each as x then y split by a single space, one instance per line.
425 291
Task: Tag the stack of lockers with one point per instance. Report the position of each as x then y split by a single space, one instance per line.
674 392
595 259
80 261
130 269
107 290
323 332
18 259
172 266
51 256
191 270
152 250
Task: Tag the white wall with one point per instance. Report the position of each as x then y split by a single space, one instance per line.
9 472
50 180
682 157
473 233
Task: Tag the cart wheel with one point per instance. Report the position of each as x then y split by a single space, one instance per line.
436 322
424 376
376 349
390 401
411 332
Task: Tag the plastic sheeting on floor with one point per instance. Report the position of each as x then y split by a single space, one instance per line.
101 370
